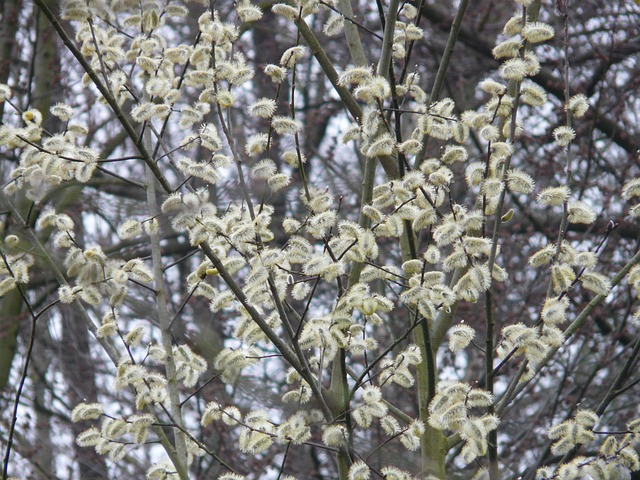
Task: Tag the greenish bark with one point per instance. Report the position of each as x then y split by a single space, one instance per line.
11 304
10 311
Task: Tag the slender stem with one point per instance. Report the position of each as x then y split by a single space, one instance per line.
329 70
387 41
352 35
164 319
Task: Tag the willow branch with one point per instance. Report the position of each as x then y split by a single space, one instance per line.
113 104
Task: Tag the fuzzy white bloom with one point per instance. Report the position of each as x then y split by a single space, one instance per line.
390 425
291 225
294 158
510 48
7 285
178 55
335 435
564 135
285 10
333 25
353 132
514 25
63 111
256 144
460 132
5 92
139 427
248 12
410 147
138 270
432 254
501 150
264 169
89 438
435 127
209 137
86 411
474 173
533 94
294 430
514 69
581 212
543 256
382 146
442 177
231 362
472 283
447 232
163 471
355 75
225 98
321 201
490 133
633 278
371 121
634 212
520 182
454 153
134 337
578 105
372 395
231 476
409 11
300 291
66 294
291 55
285 125
554 196
410 439
130 229
596 283
377 88
108 329
492 187
263 108
631 189
359 471
174 10
90 295
279 181
492 87
212 412
562 276
537 32
554 310
276 73
474 119
460 336
158 87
